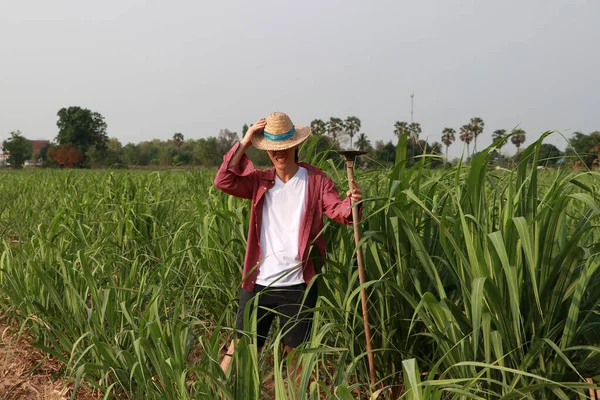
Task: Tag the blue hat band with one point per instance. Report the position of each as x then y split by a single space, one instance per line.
281 136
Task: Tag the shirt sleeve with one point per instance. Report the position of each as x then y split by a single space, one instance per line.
334 207
237 180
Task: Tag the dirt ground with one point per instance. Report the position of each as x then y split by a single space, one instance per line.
26 374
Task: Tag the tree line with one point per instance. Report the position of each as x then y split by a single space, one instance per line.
82 141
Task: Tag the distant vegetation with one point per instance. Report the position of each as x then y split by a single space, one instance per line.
82 141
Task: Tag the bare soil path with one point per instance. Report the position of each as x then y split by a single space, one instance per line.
28 374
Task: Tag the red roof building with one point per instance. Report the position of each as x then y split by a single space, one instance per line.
38 145
4 159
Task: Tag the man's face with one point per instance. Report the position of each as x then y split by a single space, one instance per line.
282 158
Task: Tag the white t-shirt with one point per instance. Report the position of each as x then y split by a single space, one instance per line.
283 209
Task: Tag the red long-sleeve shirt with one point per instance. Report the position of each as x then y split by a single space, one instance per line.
245 181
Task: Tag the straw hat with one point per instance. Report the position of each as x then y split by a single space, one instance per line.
280 133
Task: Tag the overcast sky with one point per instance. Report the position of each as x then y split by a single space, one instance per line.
153 68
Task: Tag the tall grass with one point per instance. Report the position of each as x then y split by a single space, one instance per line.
482 283
500 269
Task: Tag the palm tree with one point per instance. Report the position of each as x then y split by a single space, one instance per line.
178 140
518 138
317 126
335 129
401 128
477 129
363 143
498 135
415 130
352 126
448 137
466 135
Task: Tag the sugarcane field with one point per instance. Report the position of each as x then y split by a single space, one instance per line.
479 281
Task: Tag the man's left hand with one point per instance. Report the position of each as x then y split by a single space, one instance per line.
355 192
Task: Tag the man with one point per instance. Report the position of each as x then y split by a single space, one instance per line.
288 202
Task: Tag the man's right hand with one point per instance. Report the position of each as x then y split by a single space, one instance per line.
258 126
246 142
